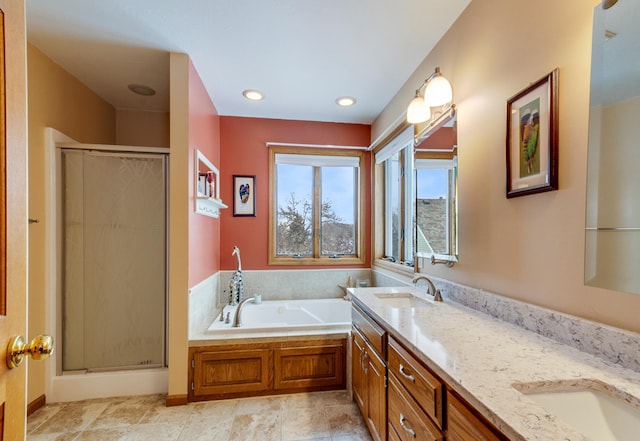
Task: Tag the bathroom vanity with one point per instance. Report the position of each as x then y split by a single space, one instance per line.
399 396
425 370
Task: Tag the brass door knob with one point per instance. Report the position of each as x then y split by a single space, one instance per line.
39 349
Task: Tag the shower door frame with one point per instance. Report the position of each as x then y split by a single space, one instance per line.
57 384
116 152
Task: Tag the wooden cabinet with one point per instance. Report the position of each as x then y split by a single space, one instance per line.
417 404
242 370
465 425
369 373
406 418
423 386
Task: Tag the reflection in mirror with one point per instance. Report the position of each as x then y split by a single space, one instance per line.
612 249
436 170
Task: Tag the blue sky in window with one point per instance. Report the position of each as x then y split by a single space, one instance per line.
337 187
432 183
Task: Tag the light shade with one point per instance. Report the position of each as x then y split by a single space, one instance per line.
438 91
418 111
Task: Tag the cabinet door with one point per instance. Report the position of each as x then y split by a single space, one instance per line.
376 372
218 374
358 384
464 425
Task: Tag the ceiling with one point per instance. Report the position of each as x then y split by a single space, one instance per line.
301 54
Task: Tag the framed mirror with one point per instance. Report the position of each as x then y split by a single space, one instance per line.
612 247
436 176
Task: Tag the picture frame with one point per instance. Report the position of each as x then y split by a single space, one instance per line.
532 138
244 195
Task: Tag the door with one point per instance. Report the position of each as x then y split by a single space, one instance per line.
13 212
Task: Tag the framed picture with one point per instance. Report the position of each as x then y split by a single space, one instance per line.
244 195
532 138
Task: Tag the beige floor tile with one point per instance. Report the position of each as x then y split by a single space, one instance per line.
219 411
153 432
123 413
159 413
72 417
345 420
304 424
108 434
248 406
66 436
265 426
319 416
42 415
210 430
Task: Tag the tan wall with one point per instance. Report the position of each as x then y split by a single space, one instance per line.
142 128
179 227
58 100
529 248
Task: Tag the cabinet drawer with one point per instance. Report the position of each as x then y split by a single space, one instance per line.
464 425
423 386
407 419
375 335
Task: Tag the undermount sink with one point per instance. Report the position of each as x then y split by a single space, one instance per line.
401 299
598 411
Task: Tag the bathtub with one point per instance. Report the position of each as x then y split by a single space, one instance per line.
287 315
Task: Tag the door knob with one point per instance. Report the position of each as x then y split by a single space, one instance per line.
39 349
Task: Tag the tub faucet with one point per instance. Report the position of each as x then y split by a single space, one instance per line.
431 288
237 319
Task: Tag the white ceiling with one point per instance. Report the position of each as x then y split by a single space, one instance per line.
302 54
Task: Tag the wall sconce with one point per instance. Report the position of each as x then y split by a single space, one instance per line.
435 91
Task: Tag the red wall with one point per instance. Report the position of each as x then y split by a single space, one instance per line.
244 152
204 135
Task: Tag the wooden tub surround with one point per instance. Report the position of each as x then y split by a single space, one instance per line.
275 366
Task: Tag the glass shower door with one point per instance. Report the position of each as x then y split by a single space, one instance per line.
114 260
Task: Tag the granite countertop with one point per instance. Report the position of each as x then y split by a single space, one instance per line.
482 358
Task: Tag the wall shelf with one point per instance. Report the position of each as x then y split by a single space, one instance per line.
207 187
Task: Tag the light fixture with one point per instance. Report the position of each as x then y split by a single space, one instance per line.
345 101
141 89
437 93
252 95
606 4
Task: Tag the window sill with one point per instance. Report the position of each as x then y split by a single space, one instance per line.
322 261
399 268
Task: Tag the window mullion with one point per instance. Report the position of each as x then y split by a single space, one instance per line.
317 211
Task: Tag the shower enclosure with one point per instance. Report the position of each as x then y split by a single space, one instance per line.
113 255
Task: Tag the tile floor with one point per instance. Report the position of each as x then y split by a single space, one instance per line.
318 416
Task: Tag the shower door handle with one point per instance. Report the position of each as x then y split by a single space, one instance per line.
40 348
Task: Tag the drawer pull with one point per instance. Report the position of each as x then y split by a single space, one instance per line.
409 430
405 375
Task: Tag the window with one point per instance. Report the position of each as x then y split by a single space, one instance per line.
315 206
435 198
399 197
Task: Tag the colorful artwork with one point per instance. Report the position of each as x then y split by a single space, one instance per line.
244 192
529 139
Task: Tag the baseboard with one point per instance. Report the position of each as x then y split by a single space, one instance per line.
176 400
36 404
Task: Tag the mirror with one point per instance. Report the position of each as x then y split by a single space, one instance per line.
436 175
613 207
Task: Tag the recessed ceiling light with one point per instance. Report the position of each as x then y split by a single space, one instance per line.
252 95
141 89
345 101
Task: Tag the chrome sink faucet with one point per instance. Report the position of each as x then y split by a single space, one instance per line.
431 288
237 319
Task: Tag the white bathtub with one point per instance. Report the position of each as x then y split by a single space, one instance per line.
283 315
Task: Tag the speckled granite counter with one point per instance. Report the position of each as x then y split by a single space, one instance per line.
482 358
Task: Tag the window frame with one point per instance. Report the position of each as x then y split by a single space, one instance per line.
317 259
